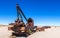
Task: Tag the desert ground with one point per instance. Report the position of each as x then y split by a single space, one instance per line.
53 32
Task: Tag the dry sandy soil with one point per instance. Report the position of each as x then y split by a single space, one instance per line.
4 33
53 32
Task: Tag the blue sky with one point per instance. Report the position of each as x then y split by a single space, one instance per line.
44 12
